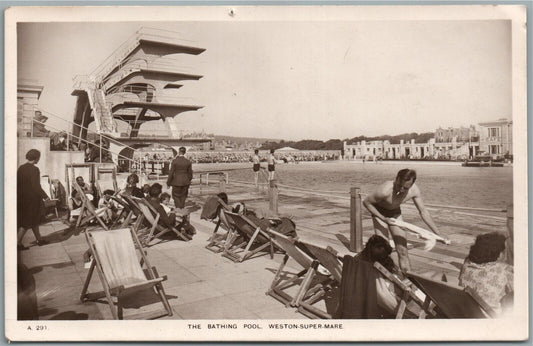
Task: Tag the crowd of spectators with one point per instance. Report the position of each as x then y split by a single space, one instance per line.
230 157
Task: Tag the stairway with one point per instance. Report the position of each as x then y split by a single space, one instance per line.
102 113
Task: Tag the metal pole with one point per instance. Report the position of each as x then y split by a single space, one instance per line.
356 220
222 183
100 148
273 196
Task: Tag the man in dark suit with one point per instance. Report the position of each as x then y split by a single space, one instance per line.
179 178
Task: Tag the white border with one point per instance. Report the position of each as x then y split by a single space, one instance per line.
513 328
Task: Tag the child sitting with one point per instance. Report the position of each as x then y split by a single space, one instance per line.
168 220
107 207
165 202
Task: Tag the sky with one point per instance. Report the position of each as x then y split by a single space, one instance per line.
298 80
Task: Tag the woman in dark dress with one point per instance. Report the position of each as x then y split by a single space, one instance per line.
30 197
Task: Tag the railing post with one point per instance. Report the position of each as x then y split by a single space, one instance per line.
100 147
222 183
356 220
273 196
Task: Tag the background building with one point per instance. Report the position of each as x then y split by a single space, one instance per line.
496 137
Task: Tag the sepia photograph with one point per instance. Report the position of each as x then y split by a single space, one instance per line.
253 173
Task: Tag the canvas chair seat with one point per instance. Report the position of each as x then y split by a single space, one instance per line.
120 271
451 300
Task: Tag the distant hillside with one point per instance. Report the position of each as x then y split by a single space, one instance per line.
243 140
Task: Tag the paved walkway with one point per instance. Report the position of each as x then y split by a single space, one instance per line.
205 285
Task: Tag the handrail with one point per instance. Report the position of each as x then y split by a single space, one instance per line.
102 148
111 139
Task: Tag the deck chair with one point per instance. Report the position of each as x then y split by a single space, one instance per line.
47 186
119 269
130 211
407 295
453 301
218 242
88 212
328 258
156 230
303 278
244 234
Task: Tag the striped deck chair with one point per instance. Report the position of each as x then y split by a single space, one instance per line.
453 301
244 234
119 269
303 278
328 258
88 212
151 216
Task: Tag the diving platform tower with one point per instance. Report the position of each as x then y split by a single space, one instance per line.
138 83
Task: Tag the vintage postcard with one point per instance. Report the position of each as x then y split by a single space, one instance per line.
253 173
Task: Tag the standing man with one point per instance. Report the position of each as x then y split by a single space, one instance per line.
384 205
256 166
179 178
271 165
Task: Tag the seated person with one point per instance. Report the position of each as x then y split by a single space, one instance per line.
84 187
164 199
167 220
74 206
107 208
486 274
131 186
364 292
146 190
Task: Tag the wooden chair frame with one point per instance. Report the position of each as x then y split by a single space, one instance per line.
328 258
427 307
153 280
152 216
86 208
235 252
303 278
216 242
53 202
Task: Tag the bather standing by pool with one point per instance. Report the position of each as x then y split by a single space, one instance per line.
384 205
271 161
256 166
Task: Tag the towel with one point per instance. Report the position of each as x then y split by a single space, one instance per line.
209 211
358 297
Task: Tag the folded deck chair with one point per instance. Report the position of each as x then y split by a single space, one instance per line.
407 295
453 301
217 241
245 233
151 216
119 269
303 278
87 212
47 186
328 258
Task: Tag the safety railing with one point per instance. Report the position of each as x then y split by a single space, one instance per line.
116 58
71 138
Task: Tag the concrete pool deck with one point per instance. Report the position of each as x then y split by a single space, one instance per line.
205 285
